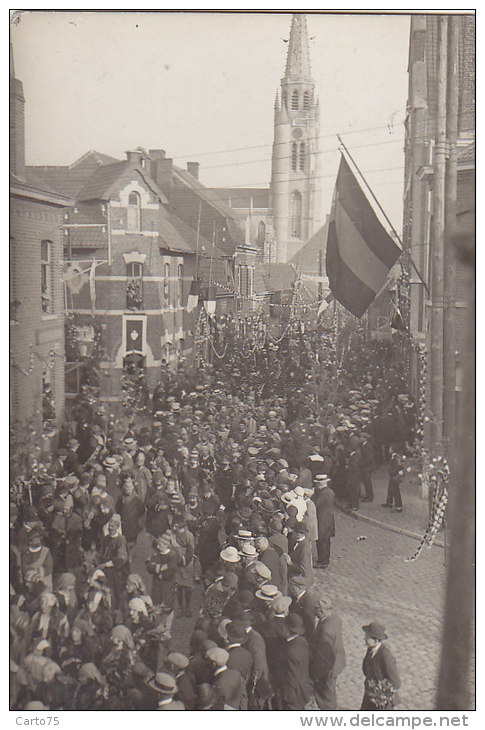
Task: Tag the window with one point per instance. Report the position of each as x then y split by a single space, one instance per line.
294 156
166 284
261 233
133 214
302 156
134 286
46 276
296 208
306 100
295 100
245 280
180 292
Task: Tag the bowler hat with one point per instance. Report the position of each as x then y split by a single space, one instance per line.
375 630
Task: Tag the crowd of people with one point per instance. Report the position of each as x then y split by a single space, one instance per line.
209 500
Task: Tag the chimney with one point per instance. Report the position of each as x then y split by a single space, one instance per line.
156 154
134 156
193 169
161 170
17 123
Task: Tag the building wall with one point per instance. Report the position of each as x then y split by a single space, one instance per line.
35 335
165 328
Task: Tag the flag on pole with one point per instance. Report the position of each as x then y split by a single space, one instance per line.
324 304
210 303
193 298
360 252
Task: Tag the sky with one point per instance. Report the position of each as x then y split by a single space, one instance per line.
202 87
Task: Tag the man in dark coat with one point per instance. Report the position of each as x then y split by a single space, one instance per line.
304 601
239 657
324 499
301 554
228 683
327 654
295 684
379 666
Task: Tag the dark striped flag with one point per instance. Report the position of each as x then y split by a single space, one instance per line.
360 252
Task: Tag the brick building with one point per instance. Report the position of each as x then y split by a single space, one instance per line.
130 263
420 154
36 295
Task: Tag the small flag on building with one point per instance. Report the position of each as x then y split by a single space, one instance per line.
193 298
360 252
210 303
324 304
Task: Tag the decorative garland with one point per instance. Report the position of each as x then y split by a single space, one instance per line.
439 477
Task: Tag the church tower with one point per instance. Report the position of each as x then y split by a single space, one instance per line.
294 174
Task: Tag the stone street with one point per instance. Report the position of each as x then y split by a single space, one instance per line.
368 579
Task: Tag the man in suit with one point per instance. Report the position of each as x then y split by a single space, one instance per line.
304 601
239 657
327 654
379 664
228 683
324 499
301 554
295 684
165 686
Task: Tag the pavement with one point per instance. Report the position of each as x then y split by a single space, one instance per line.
412 521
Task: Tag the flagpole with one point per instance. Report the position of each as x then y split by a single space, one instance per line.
383 213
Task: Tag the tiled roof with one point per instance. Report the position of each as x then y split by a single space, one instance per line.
278 277
210 196
306 259
241 197
215 271
175 235
36 187
70 179
92 237
99 184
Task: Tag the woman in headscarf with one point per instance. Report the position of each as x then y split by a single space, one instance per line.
91 691
118 664
66 595
77 649
113 558
135 588
56 689
141 627
162 564
49 623
130 508
185 570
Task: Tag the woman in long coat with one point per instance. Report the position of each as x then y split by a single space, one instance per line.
114 560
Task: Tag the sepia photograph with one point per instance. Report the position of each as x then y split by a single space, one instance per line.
242 364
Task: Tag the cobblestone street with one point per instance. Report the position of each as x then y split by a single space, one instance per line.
368 579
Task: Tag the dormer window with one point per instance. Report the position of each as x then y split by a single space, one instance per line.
295 100
133 214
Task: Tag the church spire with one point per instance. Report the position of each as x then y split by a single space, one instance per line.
298 58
